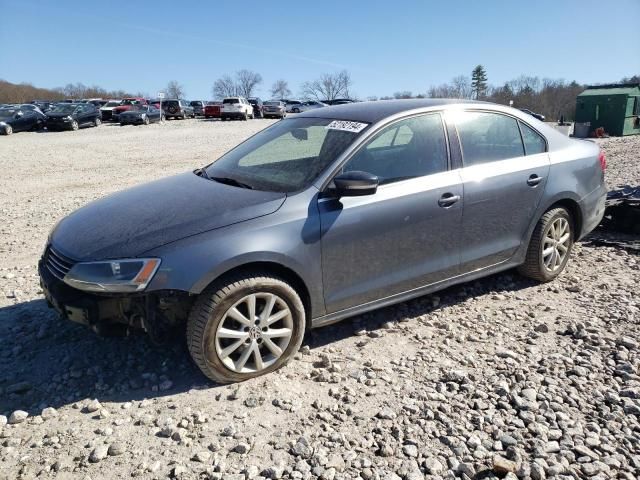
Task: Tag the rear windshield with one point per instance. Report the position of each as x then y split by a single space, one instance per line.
170 102
231 100
272 104
196 104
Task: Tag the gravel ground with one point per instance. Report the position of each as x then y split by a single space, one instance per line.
496 378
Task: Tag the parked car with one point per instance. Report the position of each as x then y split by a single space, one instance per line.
310 105
198 107
141 115
533 114
257 105
212 110
322 216
274 109
106 111
291 104
126 104
236 107
72 116
30 106
338 101
43 105
177 109
17 119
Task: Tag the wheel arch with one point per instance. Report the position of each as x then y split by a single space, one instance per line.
277 269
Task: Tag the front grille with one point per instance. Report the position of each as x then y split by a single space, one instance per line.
56 263
106 114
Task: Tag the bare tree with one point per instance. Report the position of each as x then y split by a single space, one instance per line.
280 89
328 87
224 87
247 82
175 90
462 87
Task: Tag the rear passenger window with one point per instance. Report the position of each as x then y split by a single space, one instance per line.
488 137
409 148
533 142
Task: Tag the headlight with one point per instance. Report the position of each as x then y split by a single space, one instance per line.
68 118
131 275
3 124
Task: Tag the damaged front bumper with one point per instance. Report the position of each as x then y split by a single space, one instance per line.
116 314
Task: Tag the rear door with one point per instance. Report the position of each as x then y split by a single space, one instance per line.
404 236
503 184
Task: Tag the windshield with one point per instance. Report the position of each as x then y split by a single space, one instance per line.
112 104
129 101
64 108
8 112
287 156
230 100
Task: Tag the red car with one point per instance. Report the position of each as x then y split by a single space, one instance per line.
127 104
212 110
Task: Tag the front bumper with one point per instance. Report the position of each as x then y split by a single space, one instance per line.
155 312
124 120
75 305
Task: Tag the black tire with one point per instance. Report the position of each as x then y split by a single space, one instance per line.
295 110
245 117
8 130
209 310
74 125
533 266
97 121
145 120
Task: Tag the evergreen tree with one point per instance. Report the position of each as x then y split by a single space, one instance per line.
479 82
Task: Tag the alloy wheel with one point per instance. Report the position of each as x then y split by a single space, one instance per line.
254 332
556 243
8 130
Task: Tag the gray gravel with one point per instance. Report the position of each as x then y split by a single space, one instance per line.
500 377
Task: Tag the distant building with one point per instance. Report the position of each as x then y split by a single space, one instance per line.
616 108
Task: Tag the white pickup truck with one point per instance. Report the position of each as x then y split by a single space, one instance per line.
236 107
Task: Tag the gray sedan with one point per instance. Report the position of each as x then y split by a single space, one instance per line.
323 216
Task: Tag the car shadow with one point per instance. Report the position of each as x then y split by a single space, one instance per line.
508 281
49 362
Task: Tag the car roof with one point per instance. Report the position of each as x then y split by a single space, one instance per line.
375 111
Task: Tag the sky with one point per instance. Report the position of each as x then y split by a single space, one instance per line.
387 46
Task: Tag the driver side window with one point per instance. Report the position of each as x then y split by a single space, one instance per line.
409 148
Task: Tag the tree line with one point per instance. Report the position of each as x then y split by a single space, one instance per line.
552 98
26 92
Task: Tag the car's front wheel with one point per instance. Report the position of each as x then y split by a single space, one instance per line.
245 327
8 130
145 120
550 246
97 121
74 125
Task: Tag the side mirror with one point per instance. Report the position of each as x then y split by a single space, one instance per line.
355 184
300 133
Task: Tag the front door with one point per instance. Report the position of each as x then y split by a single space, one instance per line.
406 234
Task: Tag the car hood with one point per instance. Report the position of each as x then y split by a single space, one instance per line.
131 222
59 115
133 112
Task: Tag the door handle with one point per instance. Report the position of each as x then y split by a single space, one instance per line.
534 180
448 199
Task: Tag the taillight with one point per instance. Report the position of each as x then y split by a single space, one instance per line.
603 161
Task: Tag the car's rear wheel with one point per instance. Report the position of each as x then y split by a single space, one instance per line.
550 246
245 327
245 116
97 122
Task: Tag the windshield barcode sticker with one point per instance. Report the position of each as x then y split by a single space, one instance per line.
347 126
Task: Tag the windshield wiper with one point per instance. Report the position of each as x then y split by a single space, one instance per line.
231 181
